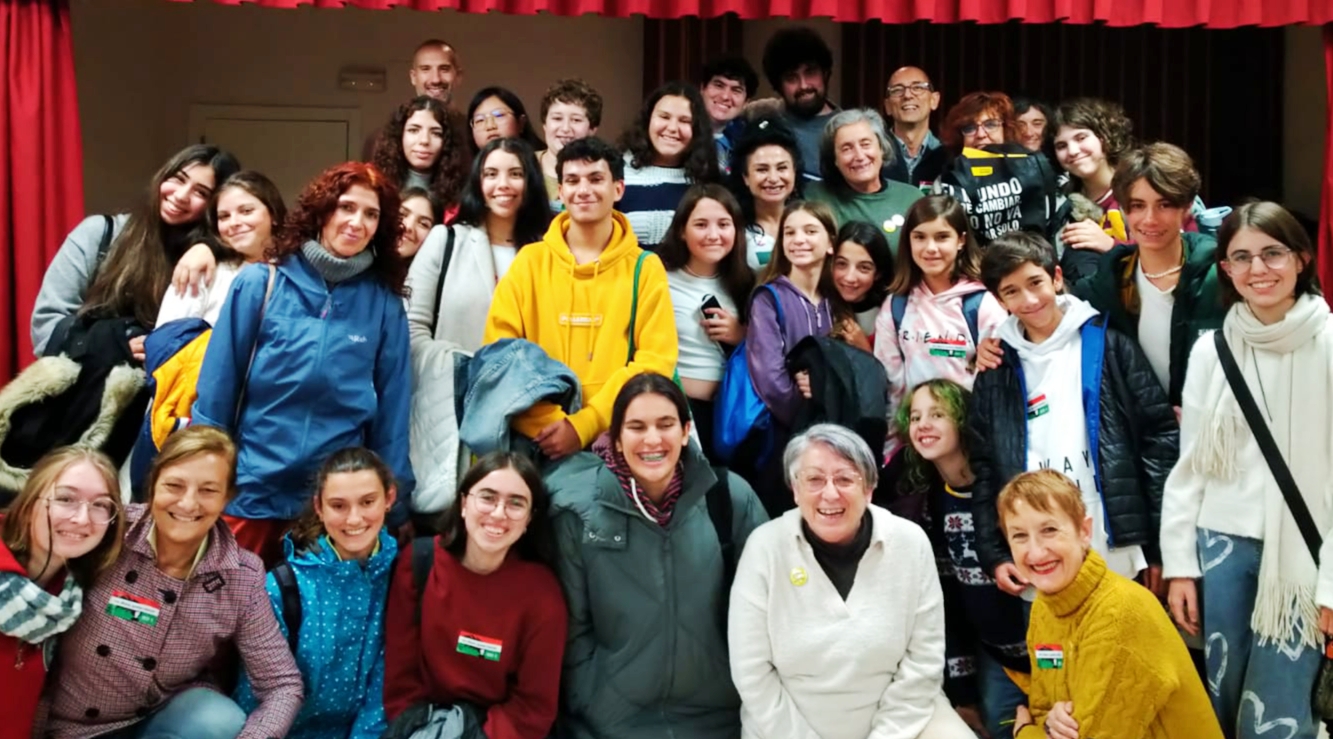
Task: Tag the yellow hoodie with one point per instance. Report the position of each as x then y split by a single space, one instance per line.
579 313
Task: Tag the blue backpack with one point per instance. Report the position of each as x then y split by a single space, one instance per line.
971 309
738 411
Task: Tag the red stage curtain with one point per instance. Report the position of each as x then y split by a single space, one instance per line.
1166 13
41 161
1325 261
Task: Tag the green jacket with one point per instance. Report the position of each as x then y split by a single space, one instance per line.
1198 302
647 651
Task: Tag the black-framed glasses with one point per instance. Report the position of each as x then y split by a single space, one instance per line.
1274 257
916 88
990 124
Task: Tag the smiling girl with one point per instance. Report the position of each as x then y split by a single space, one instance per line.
338 560
130 278
479 641
417 215
245 215
1266 604
862 270
316 341
571 110
943 307
504 207
669 148
648 660
62 530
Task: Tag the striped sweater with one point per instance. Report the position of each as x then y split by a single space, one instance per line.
650 200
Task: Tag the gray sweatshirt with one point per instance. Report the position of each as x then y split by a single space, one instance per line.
66 281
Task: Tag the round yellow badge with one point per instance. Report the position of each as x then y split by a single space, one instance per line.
798 576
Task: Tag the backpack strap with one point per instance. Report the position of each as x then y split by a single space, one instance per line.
634 304
898 306
972 312
104 246
777 303
290 593
423 558
718 499
439 281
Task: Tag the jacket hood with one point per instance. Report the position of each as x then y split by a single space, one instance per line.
8 562
960 289
623 245
1076 313
322 556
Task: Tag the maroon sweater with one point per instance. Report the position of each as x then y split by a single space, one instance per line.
495 641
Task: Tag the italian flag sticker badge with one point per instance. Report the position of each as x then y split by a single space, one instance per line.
476 645
1038 407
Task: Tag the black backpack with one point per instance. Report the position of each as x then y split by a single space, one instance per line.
1003 188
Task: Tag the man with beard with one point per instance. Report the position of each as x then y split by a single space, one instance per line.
798 64
909 100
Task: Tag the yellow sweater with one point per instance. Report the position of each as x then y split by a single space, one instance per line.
1121 663
579 314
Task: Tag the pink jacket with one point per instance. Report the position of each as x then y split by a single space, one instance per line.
114 671
933 343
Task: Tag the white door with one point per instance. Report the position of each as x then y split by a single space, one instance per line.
288 145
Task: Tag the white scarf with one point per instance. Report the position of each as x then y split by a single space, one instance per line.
1300 407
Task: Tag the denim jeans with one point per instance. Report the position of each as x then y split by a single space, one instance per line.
1257 691
1000 697
198 713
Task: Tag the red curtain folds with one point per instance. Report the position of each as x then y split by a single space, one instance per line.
1325 260
41 161
1165 13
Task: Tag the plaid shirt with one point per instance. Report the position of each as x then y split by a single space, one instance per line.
115 671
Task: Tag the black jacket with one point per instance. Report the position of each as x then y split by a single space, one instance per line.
1197 306
1135 434
927 170
849 388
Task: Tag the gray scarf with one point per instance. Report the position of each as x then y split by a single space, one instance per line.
335 269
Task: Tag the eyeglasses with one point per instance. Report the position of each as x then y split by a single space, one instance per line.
811 482
497 116
1276 257
916 88
487 501
990 124
101 511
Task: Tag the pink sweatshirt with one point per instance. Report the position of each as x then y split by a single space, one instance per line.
933 343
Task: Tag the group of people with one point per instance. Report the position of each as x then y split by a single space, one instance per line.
763 423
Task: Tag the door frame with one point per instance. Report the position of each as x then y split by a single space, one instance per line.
201 113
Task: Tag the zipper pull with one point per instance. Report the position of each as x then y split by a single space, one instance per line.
328 303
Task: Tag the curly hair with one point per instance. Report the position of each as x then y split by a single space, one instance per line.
954 398
318 202
446 177
972 106
574 91
1106 120
700 162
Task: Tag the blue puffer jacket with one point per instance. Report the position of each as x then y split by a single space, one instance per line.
341 647
332 370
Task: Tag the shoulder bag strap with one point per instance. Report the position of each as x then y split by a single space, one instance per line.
1264 438
259 325
634 304
439 282
290 592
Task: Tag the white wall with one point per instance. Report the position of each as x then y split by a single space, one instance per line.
141 64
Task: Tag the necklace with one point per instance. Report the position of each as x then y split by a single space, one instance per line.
1164 273
692 273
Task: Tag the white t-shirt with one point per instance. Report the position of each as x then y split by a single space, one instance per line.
700 358
504 256
1155 308
206 305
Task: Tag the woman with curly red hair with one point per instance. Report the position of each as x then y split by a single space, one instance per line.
978 119
423 146
311 355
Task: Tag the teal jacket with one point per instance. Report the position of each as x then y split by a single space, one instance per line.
647 650
341 648
1198 302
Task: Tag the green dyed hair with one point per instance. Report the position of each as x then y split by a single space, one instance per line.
954 398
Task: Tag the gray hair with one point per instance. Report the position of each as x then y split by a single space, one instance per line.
841 441
828 156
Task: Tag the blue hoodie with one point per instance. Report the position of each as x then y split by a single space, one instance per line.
331 369
341 648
